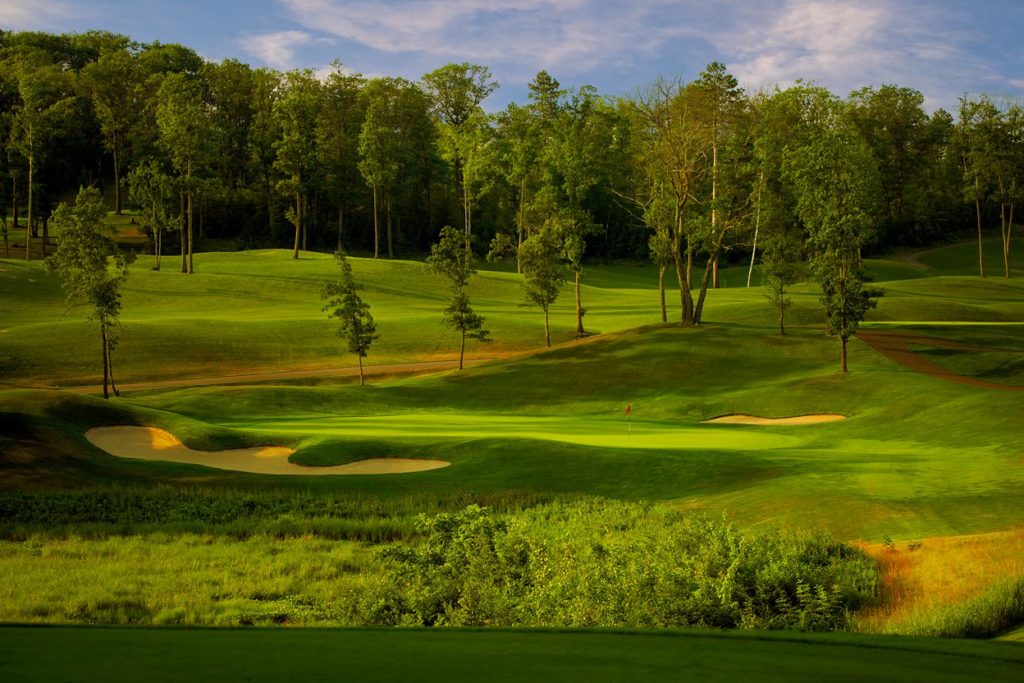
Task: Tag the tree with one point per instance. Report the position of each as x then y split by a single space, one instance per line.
542 272
297 112
778 263
671 157
836 185
184 135
46 101
342 302
113 85
341 118
456 91
452 258
91 268
154 191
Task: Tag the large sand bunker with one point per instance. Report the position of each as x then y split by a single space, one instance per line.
150 443
778 421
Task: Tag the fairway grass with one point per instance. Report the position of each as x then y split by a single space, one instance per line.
131 654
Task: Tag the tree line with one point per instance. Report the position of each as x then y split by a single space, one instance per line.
690 174
379 165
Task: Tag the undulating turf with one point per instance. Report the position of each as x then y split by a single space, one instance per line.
127 654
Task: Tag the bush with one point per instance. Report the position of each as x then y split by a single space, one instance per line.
596 563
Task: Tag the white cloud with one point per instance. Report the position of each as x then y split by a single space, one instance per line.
567 35
846 44
277 49
35 14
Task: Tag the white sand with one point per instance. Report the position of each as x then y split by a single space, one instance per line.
150 443
780 421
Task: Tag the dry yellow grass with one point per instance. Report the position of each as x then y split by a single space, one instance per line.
942 571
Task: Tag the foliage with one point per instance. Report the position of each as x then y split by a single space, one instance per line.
615 564
342 302
452 257
83 262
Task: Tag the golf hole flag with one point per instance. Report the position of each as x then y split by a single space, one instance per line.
629 409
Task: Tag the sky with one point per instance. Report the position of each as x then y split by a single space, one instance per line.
943 48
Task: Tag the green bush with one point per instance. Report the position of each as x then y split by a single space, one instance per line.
596 563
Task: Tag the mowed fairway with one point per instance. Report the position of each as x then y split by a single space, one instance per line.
120 654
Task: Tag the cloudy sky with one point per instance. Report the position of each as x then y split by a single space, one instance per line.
943 48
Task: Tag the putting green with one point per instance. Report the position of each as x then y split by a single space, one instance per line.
600 432
150 443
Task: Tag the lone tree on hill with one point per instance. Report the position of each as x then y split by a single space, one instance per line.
154 191
342 301
452 257
91 268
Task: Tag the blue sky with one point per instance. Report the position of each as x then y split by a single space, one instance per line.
941 47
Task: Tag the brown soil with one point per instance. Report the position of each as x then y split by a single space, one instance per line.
896 347
150 443
258 377
778 421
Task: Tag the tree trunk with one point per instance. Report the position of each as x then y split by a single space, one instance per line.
181 232
298 224
376 225
110 369
341 224
714 274
46 234
305 223
522 221
842 353
106 366
981 258
14 199
189 180
547 328
1007 228
117 184
387 208
689 265
580 332
782 307
28 228
462 349
361 380
714 205
757 228
661 291
158 245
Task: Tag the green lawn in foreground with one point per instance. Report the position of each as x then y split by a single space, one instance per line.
126 654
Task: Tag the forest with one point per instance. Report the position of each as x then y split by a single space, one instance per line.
225 156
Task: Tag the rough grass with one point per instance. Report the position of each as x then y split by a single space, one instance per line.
929 582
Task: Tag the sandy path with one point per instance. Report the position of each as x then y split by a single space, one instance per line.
150 443
368 370
896 346
778 421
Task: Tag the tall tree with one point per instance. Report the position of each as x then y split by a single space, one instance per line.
46 101
154 191
341 119
113 86
297 113
264 132
672 157
182 115
91 269
456 91
452 257
342 302
837 189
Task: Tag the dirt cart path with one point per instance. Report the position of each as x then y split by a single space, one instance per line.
896 346
368 371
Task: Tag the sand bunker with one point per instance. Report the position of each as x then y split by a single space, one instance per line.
779 421
150 443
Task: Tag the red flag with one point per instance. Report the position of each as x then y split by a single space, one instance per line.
629 409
